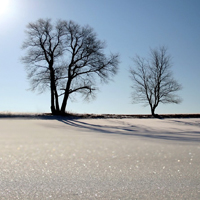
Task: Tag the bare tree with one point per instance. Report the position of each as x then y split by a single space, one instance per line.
152 80
67 58
44 46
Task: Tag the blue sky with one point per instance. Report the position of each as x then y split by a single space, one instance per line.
129 27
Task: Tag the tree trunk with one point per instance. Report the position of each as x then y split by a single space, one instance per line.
52 100
66 96
64 104
56 100
54 94
153 110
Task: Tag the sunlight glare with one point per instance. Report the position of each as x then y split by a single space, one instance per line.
4 6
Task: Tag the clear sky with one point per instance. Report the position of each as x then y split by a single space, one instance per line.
129 27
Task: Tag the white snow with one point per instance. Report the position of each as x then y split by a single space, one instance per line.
60 158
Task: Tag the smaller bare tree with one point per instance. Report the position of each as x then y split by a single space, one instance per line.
153 81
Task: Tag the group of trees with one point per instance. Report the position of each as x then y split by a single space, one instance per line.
68 58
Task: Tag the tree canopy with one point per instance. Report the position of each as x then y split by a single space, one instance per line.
66 58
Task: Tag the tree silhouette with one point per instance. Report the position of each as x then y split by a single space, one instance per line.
152 80
67 58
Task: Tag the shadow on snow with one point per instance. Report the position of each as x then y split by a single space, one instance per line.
140 131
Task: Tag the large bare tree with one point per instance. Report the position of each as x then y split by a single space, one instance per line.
152 78
67 58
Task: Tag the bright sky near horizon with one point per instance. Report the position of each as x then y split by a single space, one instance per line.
129 27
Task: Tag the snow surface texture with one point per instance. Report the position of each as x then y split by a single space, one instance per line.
99 159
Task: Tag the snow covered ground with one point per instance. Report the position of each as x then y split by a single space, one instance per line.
62 158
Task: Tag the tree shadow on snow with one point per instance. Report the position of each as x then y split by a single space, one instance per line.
141 131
